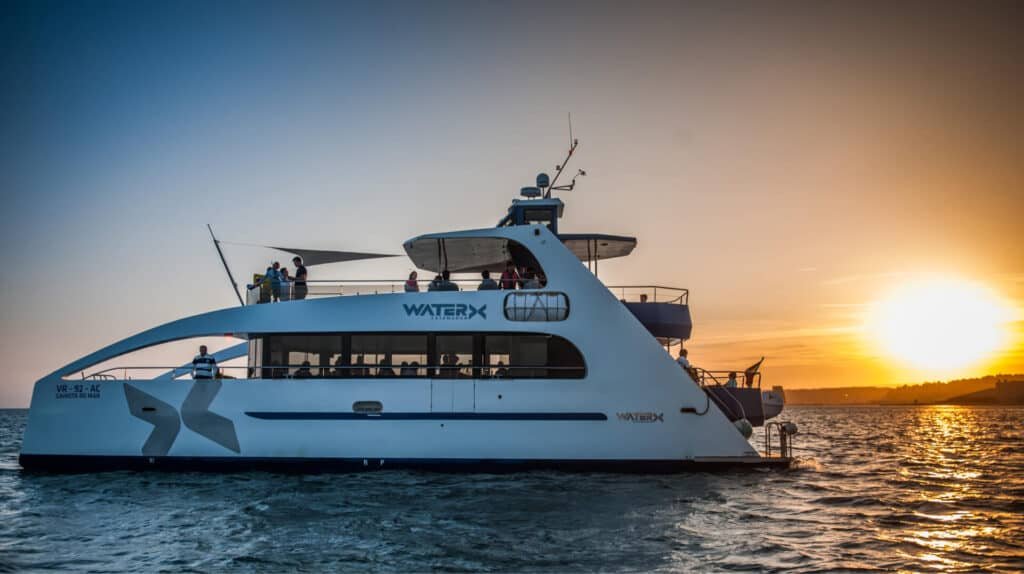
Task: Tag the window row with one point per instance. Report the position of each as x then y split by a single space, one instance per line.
344 355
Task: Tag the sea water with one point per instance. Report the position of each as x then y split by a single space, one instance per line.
875 488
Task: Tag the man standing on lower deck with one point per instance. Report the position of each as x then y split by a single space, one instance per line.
204 366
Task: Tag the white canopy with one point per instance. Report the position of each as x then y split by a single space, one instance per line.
598 246
462 253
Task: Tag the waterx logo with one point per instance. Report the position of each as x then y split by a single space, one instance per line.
445 310
642 417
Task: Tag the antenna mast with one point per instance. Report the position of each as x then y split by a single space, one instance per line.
573 144
234 286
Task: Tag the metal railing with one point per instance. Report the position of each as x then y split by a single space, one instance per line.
721 378
342 287
651 294
370 371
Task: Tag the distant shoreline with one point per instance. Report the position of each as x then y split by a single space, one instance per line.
996 390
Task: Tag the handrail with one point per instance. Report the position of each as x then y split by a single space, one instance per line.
677 295
743 412
725 373
105 373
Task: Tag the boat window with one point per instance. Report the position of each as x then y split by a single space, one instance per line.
455 356
300 356
521 356
536 306
387 355
407 355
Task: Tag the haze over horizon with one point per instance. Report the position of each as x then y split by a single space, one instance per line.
791 164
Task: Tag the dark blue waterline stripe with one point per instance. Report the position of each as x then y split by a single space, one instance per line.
336 416
88 463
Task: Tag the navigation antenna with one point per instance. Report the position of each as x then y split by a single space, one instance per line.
573 144
231 278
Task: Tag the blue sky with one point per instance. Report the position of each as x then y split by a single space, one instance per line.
765 154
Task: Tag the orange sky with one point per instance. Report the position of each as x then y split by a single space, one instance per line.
788 162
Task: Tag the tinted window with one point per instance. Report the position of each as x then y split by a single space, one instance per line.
337 355
387 355
521 356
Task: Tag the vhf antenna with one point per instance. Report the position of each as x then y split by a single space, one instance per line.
573 144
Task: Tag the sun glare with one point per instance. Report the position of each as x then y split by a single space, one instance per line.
940 324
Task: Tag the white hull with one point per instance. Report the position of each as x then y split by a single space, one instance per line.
634 409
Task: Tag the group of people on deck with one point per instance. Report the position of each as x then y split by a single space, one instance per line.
278 279
511 278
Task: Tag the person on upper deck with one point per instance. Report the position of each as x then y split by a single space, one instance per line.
411 285
643 297
273 278
286 285
487 284
300 289
509 277
204 366
435 283
530 280
446 282
303 371
731 383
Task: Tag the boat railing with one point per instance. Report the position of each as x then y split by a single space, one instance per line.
650 294
342 287
783 433
719 377
708 378
356 371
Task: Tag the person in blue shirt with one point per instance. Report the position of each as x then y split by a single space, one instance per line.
273 277
487 284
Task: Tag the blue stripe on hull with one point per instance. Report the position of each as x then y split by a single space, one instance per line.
87 463
346 416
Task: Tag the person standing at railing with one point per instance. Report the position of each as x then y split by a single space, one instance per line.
273 278
301 290
411 285
286 285
487 284
509 277
446 282
684 362
731 383
204 366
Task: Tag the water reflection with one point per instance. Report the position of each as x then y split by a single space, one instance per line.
903 489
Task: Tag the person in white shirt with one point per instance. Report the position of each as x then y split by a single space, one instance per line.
685 364
682 360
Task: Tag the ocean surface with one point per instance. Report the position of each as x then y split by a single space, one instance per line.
876 489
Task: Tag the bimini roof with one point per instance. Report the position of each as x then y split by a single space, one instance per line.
459 253
465 253
598 246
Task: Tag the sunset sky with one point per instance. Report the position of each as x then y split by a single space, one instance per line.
792 164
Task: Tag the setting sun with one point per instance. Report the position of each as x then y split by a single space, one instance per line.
939 324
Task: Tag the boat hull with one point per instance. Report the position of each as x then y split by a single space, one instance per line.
315 426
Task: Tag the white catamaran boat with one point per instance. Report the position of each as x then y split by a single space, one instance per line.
566 373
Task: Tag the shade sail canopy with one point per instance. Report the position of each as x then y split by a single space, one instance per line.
591 246
320 257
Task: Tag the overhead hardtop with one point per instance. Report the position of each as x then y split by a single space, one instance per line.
476 251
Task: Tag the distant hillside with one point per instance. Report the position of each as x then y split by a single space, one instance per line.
922 393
